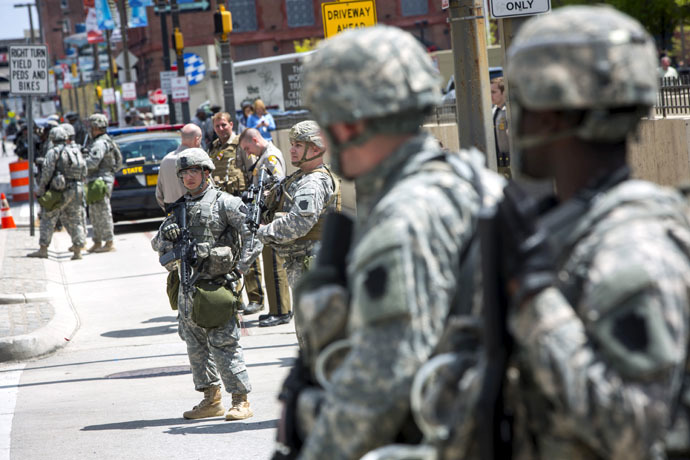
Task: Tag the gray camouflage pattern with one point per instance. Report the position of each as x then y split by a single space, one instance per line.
582 57
193 157
101 163
369 73
213 352
414 218
310 193
98 120
71 211
306 131
587 389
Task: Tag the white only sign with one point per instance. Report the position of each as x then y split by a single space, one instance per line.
512 8
29 69
129 91
180 90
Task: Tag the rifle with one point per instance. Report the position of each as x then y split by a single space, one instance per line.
496 428
255 197
184 251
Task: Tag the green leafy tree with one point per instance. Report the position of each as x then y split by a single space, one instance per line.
660 17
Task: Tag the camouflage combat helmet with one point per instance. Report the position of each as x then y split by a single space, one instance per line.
69 129
372 72
307 131
98 121
590 58
194 157
58 135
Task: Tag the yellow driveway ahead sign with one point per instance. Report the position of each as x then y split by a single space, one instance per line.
339 16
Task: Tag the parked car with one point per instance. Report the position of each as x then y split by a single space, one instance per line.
143 148
449 90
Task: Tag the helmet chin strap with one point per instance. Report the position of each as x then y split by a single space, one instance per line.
304 158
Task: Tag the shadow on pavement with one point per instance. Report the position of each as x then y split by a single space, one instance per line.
127 333
223 428
161 319
136 424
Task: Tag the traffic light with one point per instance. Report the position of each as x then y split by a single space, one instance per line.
99 91
222 21
178 40
74 70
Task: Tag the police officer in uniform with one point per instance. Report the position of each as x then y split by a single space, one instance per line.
103 161
261 153
370 90
301 201
64 170
216 223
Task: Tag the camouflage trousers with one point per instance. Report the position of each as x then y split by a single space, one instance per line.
71 215
101 217
213 353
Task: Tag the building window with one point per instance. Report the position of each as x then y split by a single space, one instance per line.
414 7
300 13
243 15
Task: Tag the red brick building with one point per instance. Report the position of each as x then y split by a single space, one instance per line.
261 28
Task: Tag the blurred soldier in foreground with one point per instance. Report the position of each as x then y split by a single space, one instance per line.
595 280
300 202
261 153
103 162
60 191
370 90
201 241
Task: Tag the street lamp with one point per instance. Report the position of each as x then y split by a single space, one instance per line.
31 19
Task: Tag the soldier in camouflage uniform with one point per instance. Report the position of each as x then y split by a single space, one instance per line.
599 278
216 220
261 153
301 201
64 169
103 162
223 152
369 90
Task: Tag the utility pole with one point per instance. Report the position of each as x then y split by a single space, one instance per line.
30 131
472 86
179 50
223 27
111 66
122 7
162 7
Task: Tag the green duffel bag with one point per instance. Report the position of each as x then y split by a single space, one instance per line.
50 200
95 191
172 288
213 305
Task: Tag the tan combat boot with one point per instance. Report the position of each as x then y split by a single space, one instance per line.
210 406
96 245
240 408
107 248
41 253
76 253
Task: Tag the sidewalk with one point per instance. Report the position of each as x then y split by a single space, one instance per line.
35 316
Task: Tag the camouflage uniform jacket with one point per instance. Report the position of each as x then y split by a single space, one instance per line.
415 216
304 202
228 176
63 158
102 162
600 357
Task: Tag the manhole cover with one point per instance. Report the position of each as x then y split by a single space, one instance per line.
151 372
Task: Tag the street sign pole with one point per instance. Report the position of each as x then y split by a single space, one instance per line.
472 87
162 7
30 139
175 12
228 86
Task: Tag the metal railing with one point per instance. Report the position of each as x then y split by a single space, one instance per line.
674 96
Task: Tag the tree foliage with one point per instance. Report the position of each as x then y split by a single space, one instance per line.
660 17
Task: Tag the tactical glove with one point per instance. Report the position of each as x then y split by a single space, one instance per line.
171 231
527 257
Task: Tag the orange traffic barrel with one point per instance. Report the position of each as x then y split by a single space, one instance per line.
19 180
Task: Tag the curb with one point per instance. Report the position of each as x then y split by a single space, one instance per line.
29 297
